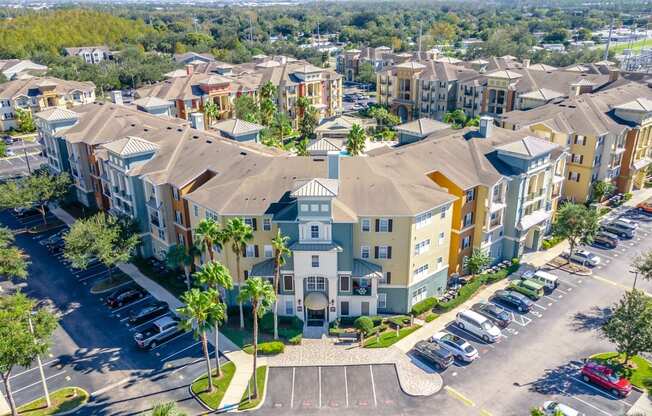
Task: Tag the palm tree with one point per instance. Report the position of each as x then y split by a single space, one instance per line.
200 313
208 235
239 234
260 294
179 256
281 128
302 104
166 409
267 91
279 243
355 141
211 111
217 277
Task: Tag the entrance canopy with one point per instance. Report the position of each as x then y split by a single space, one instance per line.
315 301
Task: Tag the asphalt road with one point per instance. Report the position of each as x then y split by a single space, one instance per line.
93 346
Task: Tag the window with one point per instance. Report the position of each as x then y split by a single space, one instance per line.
289 307
419 294
421 272
161 234
573 176
440 261
314 232
382 300
423 219
344 308
250 250
468 220
178 218
442 237
383 225
196 210
304 207
269 253
364 252
386 278
324 207
470 195
249 221
314 262
442 214
577 158
345 283
175 194
466 242
422 247
315 283
288 282
365 224
210 214
267 224
314 207
383 252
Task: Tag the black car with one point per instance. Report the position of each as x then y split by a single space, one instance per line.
150 311
606 239
26 212
434 354
513 299
494 313
124 296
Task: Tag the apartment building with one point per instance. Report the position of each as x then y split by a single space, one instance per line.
189 90
90 54
40 93
349 61
20 68
606 141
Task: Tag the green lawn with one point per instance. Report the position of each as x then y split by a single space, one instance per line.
245 404
640 375
62 401
108 284
389 337
220 385
635 46
173 281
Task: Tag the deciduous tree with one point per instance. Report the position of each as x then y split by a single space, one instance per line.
630 324
577 223
477 262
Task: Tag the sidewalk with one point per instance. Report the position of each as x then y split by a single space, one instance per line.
243 361
643 406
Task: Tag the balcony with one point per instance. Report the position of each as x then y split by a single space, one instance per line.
155 221
361 286
535 195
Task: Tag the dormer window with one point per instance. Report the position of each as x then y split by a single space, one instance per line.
314 232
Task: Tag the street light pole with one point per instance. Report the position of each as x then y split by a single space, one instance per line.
40 366
635 277
29 169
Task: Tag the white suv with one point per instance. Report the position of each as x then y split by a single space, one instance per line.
586 258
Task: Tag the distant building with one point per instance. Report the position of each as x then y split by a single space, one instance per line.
17 68
90 54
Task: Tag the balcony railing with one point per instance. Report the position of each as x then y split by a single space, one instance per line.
361 287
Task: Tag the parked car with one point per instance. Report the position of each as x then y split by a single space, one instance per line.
619 229
26 212
527 287
54 238
606 239
626 222
498 315
549 281
586 258
459 347
513 299
8 140
434 354
124 296
478 325
555 409
158 332
645 207
150 311
605 377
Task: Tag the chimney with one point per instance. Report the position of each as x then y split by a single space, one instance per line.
574 90
197 121
614 74
189 69
486 126
116 97
526 63
333 164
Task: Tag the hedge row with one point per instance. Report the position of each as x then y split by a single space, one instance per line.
423 306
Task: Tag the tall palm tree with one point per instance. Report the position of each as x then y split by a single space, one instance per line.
166 409
211 111
239 234
355 141
279 243
208 235
200 313
302 104
179 256
217 277
260 294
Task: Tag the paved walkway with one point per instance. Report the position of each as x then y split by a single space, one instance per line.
642 407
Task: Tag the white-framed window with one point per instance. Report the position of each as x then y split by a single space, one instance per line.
288 282
250 250
423 219
364 252
440 262
314 232
365 224
314 260
269 251
324 207
421 271
210 214
344 308
419 294
345 283
382 301
249 221
175 194
383 252
305 207
468 220
422 246
315 283
267 224
161 234
470 195
573 176
195 210
314 207
442 237
442 213
466 242
289 307
383 225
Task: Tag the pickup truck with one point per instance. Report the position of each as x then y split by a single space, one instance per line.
157 332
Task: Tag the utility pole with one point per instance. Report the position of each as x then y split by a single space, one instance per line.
40 366
419 40
251 31
29 169
606 50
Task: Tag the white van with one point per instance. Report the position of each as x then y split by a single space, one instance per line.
548 280
478 325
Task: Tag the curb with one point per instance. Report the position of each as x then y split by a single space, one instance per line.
403 389
196 397
262 396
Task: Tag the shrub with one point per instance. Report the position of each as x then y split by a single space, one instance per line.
364 324
295 340
423 306
627 196
465 293
431 317
400 320
551 242
271 348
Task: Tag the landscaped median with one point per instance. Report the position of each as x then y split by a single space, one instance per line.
105 285
212 400
64 401
290 331
638 371
245 402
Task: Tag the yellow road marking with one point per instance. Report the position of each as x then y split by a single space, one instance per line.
484 412
459 396
611 282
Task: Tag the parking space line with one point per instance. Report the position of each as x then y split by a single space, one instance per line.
539 306
590 405
39 382
601 391
133 328
373 385
83 279
294 369
45 364
551 298
346 387
198 360
113 312
459 396
180 351
319 377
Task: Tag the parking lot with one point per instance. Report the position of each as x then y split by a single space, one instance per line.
356 98
94 346
18 157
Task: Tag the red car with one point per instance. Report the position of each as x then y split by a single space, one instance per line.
607 378
645 207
